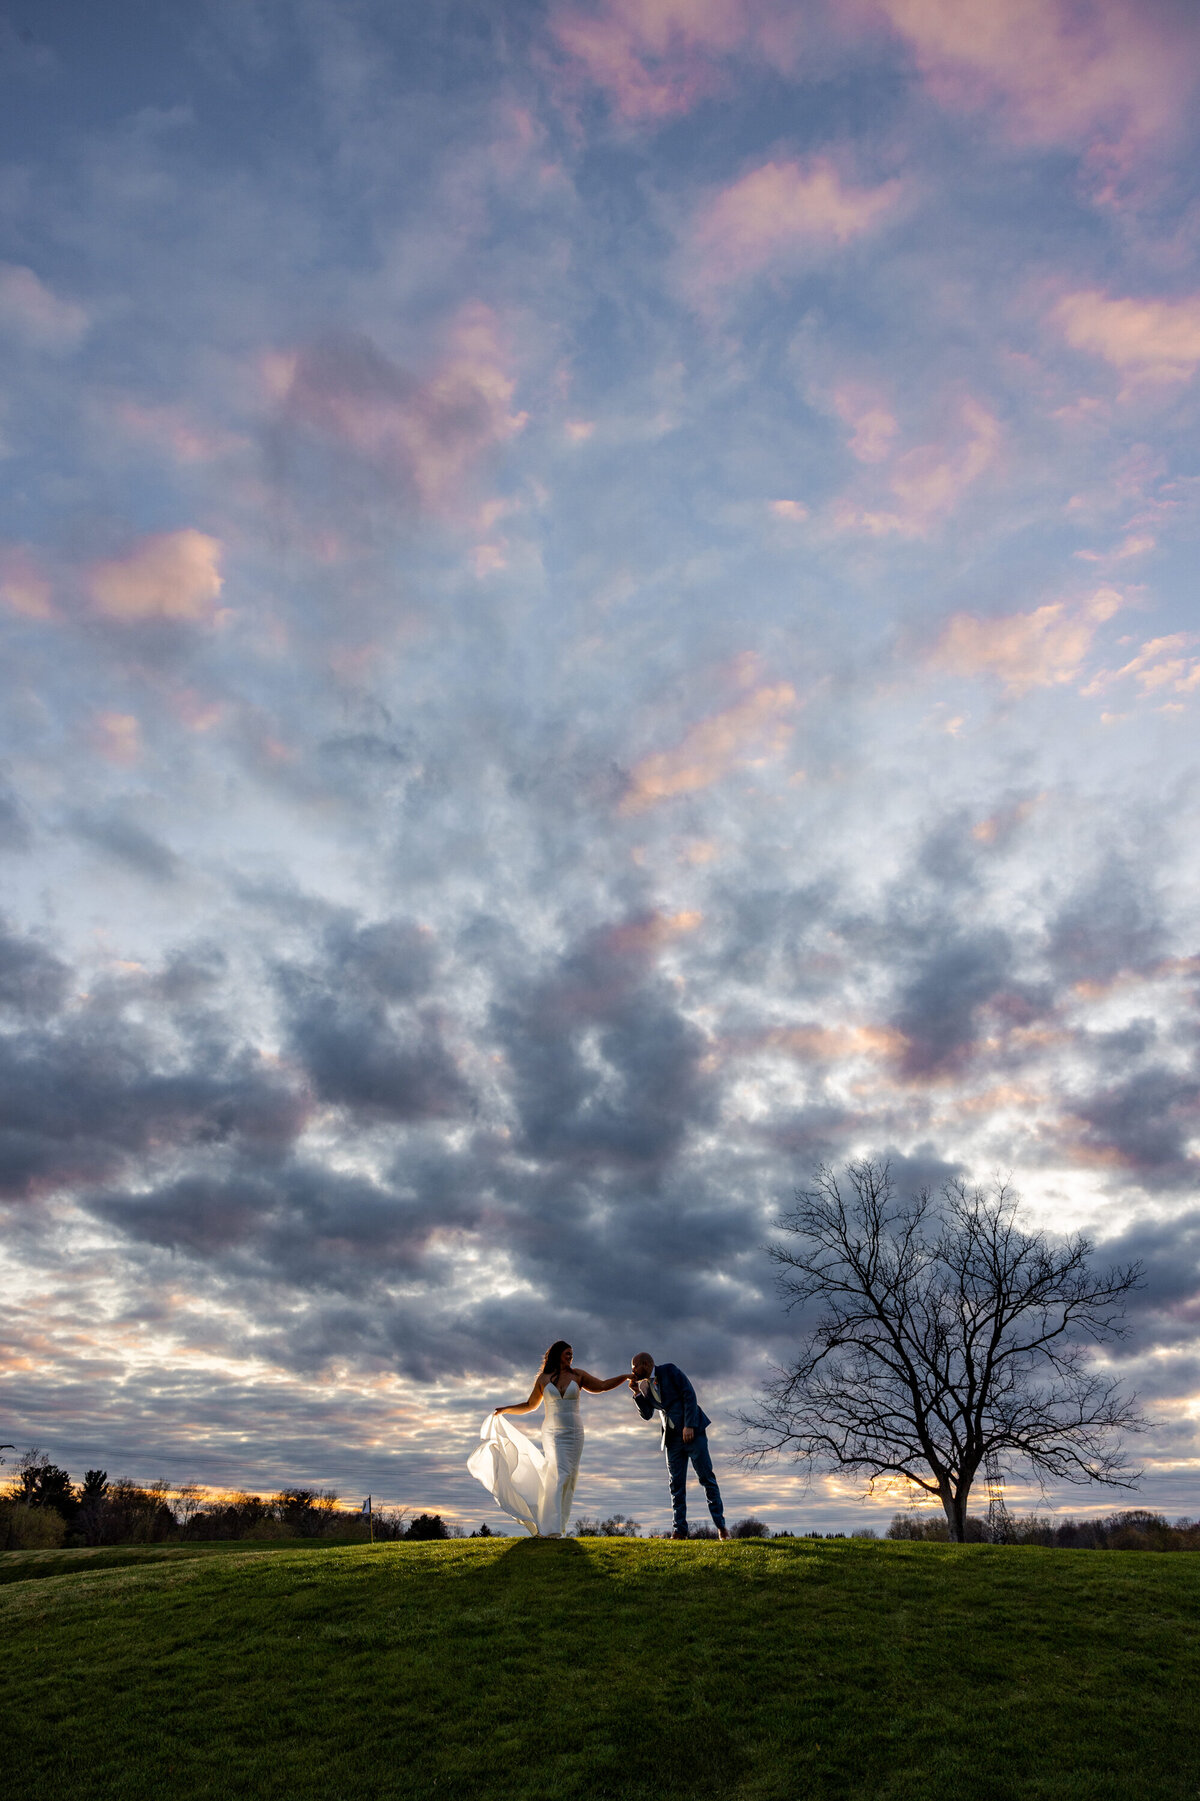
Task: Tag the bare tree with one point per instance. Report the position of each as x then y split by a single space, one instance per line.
189 1501
944 1333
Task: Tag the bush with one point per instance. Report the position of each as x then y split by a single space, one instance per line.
24 1527
428 1525
750 1528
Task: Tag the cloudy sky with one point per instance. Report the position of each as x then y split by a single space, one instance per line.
599 606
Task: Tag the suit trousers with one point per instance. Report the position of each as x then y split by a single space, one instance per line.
678 1456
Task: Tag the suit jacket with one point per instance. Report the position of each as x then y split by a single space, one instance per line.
679 1406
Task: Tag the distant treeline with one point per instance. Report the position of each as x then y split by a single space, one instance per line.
1133 1530
42 1508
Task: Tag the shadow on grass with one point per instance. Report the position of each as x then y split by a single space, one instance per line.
650 1726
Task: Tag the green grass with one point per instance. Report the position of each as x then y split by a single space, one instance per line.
605 1670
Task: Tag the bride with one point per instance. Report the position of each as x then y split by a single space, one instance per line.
537 1487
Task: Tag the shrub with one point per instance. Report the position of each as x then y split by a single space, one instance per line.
428 1525
24 1527
750 1528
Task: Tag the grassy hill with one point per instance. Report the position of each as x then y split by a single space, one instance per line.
604 1668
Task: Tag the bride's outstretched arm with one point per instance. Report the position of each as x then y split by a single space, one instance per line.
535 1400
594 1385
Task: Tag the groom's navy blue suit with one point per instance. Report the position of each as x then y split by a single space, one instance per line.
679 1408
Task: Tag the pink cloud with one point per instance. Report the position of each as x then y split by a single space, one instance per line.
873 425
1041 649
35 313
654 59
1149 341
424 435
1162 667
649 933
780 208
1109 75
926 483
117 738
172 428
23 586
170 575
751 731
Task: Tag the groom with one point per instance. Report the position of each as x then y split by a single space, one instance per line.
663 1388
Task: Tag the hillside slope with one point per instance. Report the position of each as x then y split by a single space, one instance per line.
602 1669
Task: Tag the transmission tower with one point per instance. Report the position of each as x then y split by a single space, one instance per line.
999 1525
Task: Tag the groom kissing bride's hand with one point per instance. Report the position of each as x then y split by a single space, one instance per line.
663 1388
537 1485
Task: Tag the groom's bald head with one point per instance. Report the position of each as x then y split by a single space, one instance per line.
643 1364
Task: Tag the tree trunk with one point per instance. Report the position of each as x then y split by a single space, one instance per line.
956 1514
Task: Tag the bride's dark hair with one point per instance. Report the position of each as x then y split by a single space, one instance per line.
553 1359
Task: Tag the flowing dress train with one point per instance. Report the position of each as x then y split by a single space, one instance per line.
536 1486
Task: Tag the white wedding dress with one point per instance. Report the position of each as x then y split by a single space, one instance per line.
536 1486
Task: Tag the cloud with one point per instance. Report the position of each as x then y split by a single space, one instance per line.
169 576
604 1069
1149 341
174 429
1111 75
122 838
23 585
777 210
754 729
300 1224
117 737
937 1007
32 980
924 484
1041 649
33 312
353 1027
1162 669
423 437
1168 1307
1144 1123
102 1095
655 59
874 426
15 834
1107 926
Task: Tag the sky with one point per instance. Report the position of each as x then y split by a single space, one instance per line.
599 609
